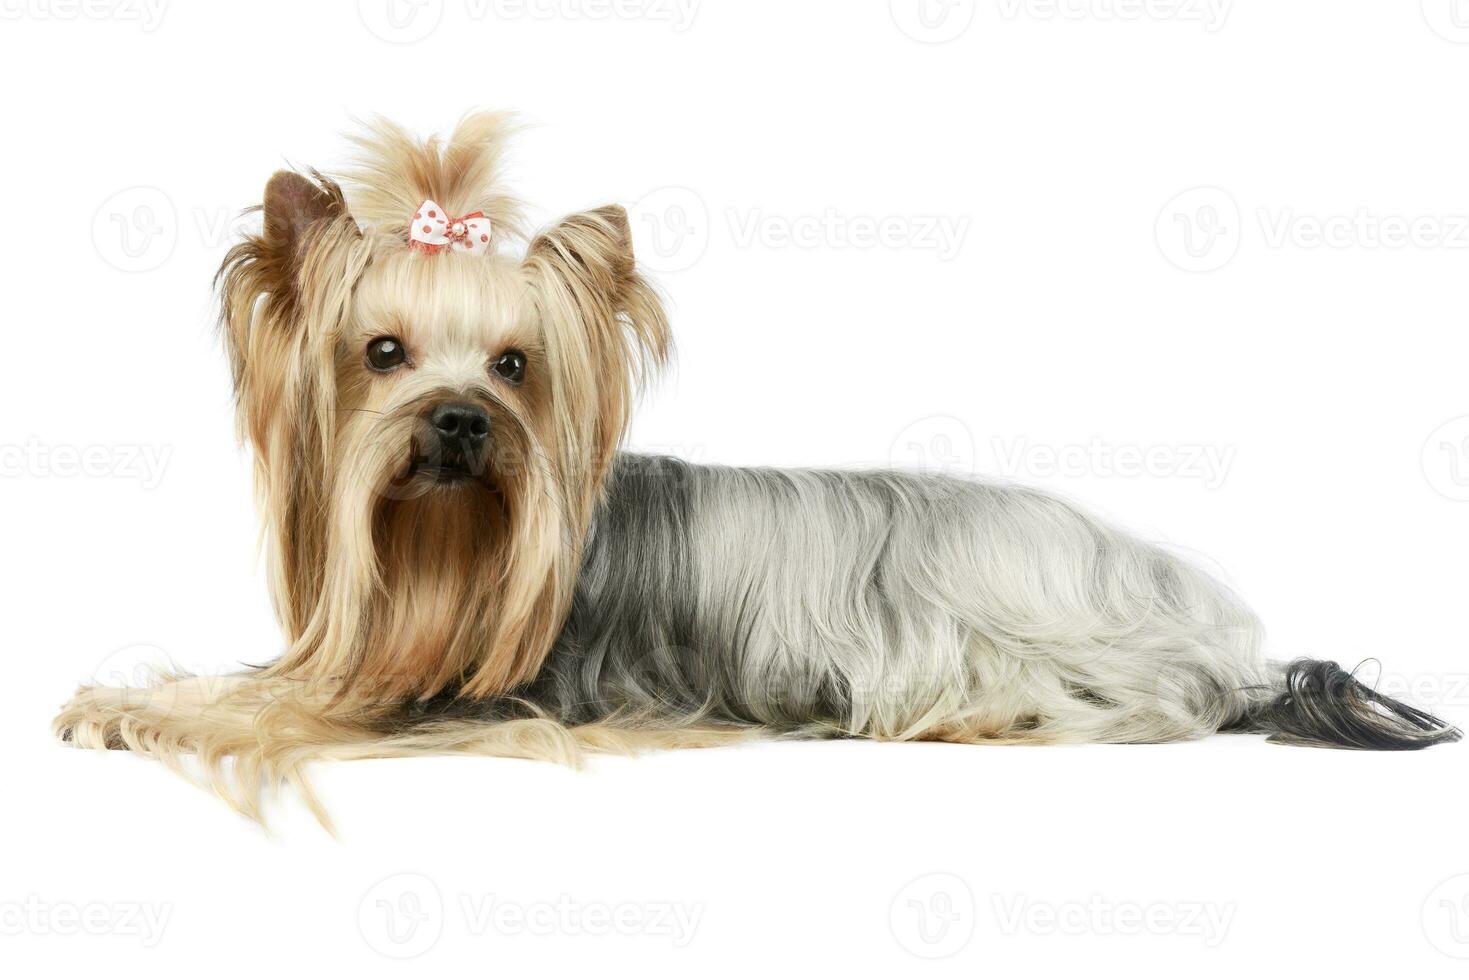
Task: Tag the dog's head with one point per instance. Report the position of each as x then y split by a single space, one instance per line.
432 417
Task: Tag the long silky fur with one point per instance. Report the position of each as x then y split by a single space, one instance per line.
580 599
1322 704
388 595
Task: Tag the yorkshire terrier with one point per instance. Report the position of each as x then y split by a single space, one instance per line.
463 561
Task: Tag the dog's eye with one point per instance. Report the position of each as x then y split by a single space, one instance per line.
511 366
385 353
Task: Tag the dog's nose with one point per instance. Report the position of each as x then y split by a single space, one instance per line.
461 422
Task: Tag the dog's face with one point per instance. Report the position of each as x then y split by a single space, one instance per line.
443 376
431 431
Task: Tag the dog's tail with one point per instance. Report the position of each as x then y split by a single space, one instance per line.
1320 703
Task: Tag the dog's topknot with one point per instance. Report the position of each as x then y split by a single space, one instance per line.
394 172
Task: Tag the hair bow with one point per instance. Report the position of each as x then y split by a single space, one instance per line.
434 230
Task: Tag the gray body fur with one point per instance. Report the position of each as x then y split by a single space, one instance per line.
890 605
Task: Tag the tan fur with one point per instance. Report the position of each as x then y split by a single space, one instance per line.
242 736
386 589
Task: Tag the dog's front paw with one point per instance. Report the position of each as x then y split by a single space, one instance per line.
108 739
169 716
94 719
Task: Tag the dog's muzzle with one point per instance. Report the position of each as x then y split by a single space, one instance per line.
461 442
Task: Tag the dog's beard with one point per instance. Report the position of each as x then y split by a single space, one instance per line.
437 553
438 577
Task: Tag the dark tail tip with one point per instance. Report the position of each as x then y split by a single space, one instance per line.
1323 704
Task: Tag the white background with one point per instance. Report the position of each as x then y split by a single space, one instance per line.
1300 322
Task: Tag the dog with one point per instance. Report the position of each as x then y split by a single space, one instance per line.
463 560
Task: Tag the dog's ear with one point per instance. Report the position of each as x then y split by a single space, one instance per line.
605 328
284 291
298 212
591 256
594 247
305 221
293 203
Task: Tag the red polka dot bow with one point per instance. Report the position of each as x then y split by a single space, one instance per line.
434 230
